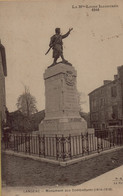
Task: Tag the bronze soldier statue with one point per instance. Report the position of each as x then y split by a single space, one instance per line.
57 45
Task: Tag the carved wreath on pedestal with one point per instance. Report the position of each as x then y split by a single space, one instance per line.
69 78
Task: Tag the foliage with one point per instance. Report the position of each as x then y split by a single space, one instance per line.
26 103
20 123
81 100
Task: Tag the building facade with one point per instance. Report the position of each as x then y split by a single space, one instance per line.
3 74
106 103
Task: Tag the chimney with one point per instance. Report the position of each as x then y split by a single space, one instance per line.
115 77
120 72
106 82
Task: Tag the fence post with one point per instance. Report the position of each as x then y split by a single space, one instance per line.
14 141
17 142
120 137
117 137
29 142
63 150
56 147
44 145
98 146
102 140
39 143
6 140
82 139
113 137
21 142
110 135
87 143
25 143
70 146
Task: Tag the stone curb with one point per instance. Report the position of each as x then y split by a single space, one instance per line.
61 163
36 158
76 160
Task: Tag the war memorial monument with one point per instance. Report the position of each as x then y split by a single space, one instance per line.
63 137
61 95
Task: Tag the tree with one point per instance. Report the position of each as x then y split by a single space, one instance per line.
81 100
26 103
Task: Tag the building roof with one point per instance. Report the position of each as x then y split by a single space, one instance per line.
101 87
3 54
116 77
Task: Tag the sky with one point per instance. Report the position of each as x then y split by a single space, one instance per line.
94 47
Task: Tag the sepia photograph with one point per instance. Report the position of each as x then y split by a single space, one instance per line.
61 97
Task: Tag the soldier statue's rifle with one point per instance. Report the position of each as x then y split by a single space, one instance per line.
51 46
48 50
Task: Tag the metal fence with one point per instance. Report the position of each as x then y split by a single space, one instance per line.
63 147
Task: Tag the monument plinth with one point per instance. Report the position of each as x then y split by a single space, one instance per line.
61 102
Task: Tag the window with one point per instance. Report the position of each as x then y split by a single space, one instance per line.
101 102
113 91
114 112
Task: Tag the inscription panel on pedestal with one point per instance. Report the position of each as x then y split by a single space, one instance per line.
51 124
52 97
70 98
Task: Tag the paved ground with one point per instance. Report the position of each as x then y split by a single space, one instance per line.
18 171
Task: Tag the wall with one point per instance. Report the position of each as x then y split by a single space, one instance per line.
2 82
106 104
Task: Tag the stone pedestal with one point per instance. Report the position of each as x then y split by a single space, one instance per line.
61 102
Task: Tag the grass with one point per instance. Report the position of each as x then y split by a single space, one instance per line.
18 171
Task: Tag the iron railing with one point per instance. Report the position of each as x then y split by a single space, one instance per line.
63 147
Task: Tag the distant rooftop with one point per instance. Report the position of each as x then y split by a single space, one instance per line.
107 82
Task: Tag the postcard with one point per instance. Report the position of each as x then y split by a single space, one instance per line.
61 97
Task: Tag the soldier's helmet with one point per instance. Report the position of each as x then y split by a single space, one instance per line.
57 30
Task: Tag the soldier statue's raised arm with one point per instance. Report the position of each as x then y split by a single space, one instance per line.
57 45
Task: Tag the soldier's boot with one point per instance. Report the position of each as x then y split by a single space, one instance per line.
54 62
63 60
